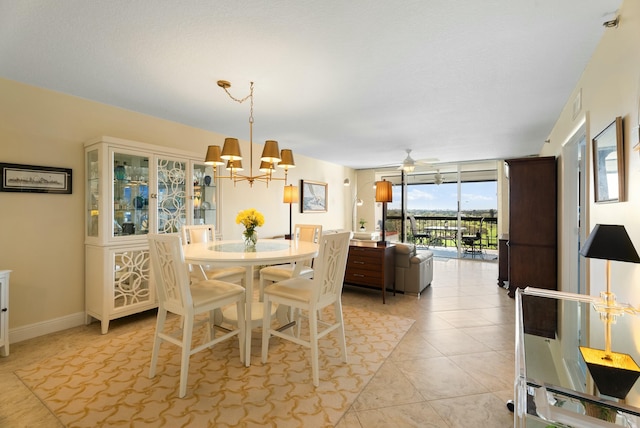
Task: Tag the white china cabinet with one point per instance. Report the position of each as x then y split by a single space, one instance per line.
4 312
133 189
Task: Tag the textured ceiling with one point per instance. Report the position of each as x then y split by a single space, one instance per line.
352 82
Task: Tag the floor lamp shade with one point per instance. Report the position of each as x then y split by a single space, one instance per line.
384 191
290 197
384 194
290 194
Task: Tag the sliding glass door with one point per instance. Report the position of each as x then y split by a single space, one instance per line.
456 208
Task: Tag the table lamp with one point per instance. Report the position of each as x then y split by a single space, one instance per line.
290 197
613 373
384 194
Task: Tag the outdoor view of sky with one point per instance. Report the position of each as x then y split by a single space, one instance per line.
474 196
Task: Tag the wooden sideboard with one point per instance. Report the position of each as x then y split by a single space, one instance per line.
371 264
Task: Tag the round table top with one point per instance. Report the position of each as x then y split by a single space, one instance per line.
234 252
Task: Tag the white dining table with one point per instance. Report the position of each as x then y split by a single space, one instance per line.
234 253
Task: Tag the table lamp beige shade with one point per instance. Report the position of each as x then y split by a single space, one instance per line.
613 373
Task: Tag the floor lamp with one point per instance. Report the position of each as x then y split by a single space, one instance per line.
290 197
384 194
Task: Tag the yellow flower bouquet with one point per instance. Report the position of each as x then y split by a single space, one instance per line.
250 219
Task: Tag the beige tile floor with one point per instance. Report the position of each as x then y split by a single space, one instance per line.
454 368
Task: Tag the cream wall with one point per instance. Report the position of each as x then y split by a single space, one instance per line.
41 235
610 87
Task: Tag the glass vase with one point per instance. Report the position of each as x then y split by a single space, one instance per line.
250 238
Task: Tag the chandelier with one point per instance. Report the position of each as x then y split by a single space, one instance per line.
231 157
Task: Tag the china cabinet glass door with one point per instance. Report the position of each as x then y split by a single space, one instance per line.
171 194
204 195
130 194
93 193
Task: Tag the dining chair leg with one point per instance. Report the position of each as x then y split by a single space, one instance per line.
241 335
339 318
162 316
211 331
313 342
262 283
266 325
187 334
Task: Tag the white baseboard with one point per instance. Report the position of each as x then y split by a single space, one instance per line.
46 327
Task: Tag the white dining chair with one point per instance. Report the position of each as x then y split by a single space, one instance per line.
177 296
195 233
304 268
308 296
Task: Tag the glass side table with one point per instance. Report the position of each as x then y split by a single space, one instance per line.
554 386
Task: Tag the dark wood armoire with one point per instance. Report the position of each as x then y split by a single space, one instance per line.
533 238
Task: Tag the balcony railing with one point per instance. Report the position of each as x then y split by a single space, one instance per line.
443 230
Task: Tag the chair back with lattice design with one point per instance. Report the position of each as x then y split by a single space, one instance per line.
170 272
308 232
196 233
329 268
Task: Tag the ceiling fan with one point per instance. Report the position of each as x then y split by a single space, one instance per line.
438 179
409 164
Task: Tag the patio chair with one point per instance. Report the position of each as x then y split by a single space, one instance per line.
417 237
473 243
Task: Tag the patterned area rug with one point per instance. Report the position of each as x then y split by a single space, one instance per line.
107 384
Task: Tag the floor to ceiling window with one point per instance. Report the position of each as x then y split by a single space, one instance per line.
456 209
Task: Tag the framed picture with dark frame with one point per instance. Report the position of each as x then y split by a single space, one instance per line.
314 196
608 163
34 179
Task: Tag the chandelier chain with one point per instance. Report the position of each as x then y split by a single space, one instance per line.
241 100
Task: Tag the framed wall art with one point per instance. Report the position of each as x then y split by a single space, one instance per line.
314 196
608 163
36 179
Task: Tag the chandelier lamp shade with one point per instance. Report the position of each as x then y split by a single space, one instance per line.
231 156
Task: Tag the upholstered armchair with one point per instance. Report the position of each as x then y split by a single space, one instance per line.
414 271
